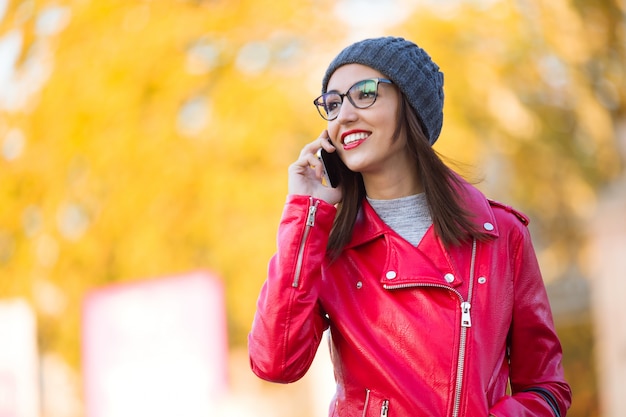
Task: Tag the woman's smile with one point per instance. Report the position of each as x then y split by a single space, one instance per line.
353 138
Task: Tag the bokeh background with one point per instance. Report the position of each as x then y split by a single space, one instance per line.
149 138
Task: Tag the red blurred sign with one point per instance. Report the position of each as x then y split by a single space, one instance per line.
155 348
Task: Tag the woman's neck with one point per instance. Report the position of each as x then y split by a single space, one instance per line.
387 187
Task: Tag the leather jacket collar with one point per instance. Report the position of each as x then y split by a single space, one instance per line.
369 226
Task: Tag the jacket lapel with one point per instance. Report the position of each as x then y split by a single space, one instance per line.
430 263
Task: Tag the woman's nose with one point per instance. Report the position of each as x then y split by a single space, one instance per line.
347 112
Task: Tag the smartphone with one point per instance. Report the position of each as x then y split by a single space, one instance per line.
330 167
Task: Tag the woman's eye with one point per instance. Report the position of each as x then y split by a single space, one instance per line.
332 105
366 91
366 94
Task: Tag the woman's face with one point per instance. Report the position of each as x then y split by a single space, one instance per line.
364 137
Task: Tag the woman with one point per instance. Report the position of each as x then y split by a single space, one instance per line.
432 293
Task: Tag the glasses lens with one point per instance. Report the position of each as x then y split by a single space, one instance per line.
363 94
328 105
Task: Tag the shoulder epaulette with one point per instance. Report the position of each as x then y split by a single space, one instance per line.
521 216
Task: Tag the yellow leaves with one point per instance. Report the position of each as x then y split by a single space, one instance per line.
563 30
512 115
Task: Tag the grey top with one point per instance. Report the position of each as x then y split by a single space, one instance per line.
407 216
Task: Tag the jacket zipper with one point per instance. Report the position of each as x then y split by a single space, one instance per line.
466 322
367 400
310 222
384 409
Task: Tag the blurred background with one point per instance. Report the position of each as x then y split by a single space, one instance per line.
144 146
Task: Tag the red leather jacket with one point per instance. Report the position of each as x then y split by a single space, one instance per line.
414 331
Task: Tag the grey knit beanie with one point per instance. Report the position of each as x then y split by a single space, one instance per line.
409 67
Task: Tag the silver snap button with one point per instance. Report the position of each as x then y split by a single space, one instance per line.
482 280
359 285
488 226
449 278
391 274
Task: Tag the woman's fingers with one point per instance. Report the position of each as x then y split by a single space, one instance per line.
305 174
323 141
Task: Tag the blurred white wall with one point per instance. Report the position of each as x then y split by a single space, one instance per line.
19 367
608 278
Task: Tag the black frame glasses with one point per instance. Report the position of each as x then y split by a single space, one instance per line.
361 95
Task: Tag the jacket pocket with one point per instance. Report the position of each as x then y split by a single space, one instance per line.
375 405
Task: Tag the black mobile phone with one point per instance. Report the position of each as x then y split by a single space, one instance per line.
330 167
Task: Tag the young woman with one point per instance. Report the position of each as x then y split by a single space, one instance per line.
432 293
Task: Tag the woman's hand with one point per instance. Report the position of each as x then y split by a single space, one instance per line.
305 174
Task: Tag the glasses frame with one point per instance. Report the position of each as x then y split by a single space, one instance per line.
318 101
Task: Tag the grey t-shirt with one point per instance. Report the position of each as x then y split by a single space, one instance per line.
407 216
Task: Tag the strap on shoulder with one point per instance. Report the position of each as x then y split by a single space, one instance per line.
520 216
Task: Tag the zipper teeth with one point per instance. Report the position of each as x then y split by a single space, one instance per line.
470 290
445 287
459 372
463 342
310 222
367 400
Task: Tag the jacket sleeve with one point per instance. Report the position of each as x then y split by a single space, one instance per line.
538 385
289 321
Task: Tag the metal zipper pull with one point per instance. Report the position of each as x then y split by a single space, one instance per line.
310 220
384 410
466 320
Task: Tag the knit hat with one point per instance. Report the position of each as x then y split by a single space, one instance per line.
409 67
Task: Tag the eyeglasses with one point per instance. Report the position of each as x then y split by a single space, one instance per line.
362 95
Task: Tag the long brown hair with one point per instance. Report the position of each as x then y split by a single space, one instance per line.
452 222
